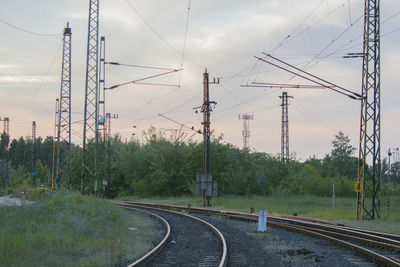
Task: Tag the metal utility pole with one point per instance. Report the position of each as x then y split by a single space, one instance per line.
6 131
285 128
102 124
206 109
246 128
90 126
389 174
369 165
53 165
107 151
63 176
34 153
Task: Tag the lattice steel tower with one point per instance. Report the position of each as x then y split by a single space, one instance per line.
90 132
246 128
285 128
370 123
63 165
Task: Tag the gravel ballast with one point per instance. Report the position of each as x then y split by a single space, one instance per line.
191 243
278 247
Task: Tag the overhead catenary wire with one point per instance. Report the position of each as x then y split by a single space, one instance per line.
142 79
289 36
137 66
283 85
30 32
41 83
240 100
310 77
184 41
248 100
181 124
160 36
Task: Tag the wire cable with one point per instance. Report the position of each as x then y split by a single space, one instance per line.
310 115
41 84
136 66
289 36
159 35
28 31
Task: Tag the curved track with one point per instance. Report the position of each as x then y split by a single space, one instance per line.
193 242
148 257
380 248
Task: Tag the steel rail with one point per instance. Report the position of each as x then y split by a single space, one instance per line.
386 235
368 242
145 259
310 226
224 258
376 257
348 231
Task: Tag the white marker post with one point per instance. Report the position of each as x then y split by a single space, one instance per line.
262 221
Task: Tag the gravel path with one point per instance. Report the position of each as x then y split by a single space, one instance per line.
278 247
10 201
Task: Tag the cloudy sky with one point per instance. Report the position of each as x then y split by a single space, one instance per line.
223 36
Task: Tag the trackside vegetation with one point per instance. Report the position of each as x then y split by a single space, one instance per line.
68 229
164 164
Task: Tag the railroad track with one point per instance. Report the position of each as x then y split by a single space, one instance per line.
189 241
379 248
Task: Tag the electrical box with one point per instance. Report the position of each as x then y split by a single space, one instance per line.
204 182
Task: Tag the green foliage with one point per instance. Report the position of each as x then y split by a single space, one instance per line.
166 165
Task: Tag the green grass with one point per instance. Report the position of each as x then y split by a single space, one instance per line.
305 206
68 229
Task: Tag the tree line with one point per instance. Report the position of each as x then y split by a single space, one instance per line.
167 164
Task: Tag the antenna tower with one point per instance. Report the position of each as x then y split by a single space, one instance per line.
6 126
370 123
63 176
90 126
246 128
285 127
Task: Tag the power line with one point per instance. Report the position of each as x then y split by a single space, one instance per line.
142 79
160 36
28 31
137 66
289 36
181 124
186 30
312 78
251 99
392 16
42 82
310 115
